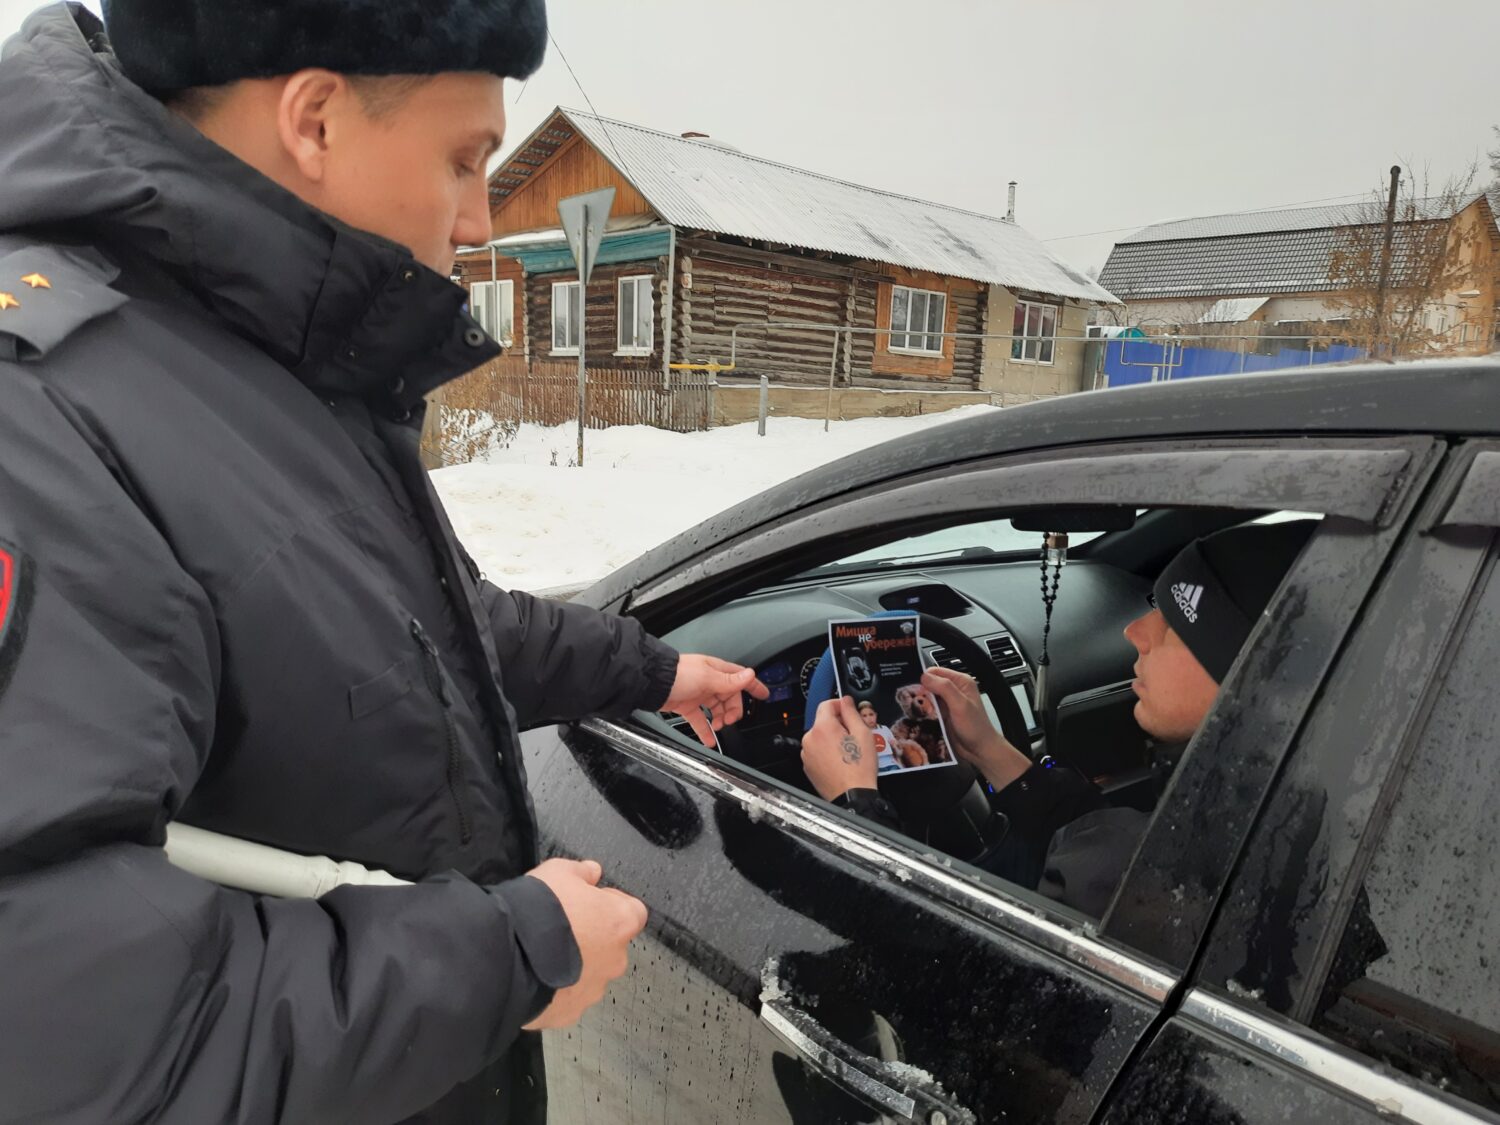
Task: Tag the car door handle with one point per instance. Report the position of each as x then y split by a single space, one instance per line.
871 1080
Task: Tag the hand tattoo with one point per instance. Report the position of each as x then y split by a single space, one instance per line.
850 749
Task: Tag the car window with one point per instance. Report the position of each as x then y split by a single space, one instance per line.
1413 980
1103 772
983 537
977 540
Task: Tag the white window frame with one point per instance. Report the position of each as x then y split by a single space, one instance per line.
565 303
493 305
639 284
905 332
1032 351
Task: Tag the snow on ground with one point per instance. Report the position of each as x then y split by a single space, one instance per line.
531 522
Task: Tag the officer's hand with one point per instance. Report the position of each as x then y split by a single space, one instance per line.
604 923
706 683
838 753
975 739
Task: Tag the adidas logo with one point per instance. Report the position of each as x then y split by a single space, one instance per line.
1187 600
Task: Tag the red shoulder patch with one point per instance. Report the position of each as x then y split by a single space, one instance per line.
15 600
7 588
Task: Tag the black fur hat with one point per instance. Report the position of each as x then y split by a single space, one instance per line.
169 45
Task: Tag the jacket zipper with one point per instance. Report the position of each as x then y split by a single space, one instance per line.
455 762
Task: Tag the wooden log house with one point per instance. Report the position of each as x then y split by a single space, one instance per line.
703 238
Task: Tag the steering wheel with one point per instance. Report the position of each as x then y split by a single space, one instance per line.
945 807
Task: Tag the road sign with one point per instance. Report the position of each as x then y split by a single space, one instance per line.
583 219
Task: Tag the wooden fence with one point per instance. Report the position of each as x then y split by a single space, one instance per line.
493 400
547 394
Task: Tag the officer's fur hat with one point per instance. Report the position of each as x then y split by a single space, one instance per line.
170 45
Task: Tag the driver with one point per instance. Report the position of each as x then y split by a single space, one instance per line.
1063 838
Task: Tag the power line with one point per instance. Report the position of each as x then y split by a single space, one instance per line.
1249 211
607 131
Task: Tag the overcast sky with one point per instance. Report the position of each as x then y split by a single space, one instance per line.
1109 115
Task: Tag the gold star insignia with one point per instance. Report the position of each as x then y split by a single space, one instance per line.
8 301
36 281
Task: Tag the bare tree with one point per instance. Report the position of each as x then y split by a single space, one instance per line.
1495 158
1430 258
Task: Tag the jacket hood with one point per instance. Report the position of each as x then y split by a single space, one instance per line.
89 158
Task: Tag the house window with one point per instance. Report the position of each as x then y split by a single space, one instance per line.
916 314
567 317
493 305
1033 332
635 307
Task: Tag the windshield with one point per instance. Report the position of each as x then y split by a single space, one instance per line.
951 544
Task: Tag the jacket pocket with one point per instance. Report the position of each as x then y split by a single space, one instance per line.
382 690
457 782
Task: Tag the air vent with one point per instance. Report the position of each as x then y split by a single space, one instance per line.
1002 650
945 659
1005 654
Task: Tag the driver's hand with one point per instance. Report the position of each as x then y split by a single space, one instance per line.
975 739
838 753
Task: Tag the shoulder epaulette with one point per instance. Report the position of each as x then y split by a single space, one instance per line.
46 294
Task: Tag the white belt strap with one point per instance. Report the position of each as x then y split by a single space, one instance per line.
246 866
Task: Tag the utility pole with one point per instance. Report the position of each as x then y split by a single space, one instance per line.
1385 253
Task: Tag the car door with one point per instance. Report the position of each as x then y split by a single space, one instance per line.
803 965
1350 975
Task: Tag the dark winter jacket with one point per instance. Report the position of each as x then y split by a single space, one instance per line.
233 600
1065 839
1061 837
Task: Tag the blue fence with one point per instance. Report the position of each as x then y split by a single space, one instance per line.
1128 361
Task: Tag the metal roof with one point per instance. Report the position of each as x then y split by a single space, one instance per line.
1256 253
702 184
1281 262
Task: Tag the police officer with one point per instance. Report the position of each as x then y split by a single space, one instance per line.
229 596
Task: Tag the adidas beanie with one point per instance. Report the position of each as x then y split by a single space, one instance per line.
1216 587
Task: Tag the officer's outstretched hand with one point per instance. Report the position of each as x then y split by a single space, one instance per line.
708 684
604 922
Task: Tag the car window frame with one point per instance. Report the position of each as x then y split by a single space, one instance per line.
1359 476
1184 472
1374 735
1446 555
1236 756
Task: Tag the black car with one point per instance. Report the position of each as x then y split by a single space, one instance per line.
1309 929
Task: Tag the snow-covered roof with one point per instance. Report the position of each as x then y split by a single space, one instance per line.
1287 219
1232 310
700 184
